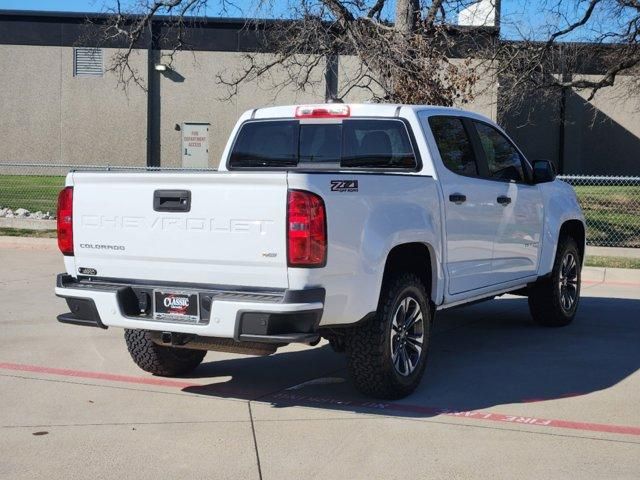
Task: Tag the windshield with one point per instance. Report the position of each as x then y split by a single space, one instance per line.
350 143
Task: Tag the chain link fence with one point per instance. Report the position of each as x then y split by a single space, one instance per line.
30 190
611 204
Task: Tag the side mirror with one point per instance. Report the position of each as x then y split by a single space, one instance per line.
543 171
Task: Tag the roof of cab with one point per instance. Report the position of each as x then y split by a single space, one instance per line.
360 110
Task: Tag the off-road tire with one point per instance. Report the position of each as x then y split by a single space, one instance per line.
160 360
545 297
337 343
368 346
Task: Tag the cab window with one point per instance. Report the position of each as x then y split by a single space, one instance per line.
351 143
504 162
454 145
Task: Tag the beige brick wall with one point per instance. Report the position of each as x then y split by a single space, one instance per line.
603 135
50 116
30 108
191 94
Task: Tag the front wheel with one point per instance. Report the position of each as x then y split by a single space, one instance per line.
158 359
387 355
553 301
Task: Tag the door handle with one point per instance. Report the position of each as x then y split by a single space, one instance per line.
172 200
504 200
457 198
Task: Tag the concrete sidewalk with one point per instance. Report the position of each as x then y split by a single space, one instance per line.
29 243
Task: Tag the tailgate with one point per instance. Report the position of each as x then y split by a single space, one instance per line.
233 233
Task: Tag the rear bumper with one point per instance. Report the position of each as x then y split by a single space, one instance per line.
270 316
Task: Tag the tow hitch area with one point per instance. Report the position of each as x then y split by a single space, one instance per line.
228 345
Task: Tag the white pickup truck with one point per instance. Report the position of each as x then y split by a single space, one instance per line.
355 223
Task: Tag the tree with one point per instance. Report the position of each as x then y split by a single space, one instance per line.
583 45
409 61
422 57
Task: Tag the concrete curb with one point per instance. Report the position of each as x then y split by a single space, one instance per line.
611 275
28 223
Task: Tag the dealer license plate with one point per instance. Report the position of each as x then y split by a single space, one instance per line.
176 306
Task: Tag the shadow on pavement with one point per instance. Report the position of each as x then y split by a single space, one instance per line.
481 356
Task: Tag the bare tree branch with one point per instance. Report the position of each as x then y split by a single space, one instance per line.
408 61
436 6
585 18
376 9
541 69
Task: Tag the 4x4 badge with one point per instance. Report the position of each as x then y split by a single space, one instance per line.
87 271
344 185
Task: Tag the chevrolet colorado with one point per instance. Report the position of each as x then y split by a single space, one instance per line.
355 223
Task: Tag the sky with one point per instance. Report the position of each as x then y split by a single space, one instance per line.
520 18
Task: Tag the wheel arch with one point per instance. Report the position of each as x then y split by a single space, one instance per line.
576 230
415 257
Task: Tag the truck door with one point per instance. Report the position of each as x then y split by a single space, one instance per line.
471 217
518 237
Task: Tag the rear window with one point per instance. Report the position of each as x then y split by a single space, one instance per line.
351 143
250 149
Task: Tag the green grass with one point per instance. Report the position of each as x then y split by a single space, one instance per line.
33 192
612 214
23 232
612 262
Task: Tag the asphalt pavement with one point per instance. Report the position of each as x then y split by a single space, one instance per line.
501 398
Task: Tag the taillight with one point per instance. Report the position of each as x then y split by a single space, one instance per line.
306 230
65 221
323 111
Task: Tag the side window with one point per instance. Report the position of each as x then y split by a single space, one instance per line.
503 160
454 145
376 144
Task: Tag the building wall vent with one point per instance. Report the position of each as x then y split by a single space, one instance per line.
87 62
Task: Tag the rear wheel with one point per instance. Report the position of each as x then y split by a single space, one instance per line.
337 343
387 355
158 359
553 301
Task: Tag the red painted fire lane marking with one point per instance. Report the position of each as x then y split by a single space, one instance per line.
311 400
163 382
472 414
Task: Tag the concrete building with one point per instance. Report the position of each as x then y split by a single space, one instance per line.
60 105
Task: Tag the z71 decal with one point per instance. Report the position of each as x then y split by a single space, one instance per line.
344 185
